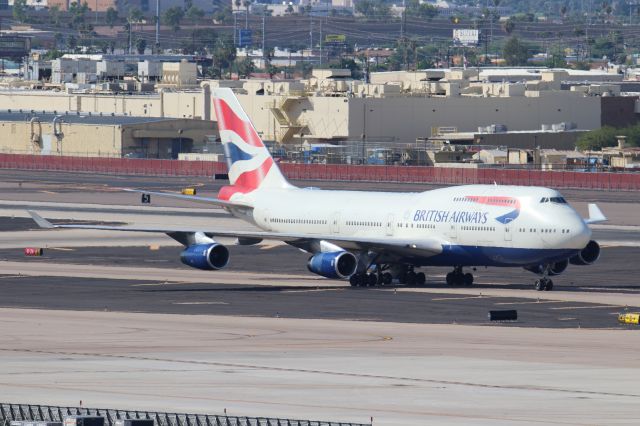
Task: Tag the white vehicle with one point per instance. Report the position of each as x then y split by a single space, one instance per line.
373 238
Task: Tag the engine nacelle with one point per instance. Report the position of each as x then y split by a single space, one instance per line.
337 264
587 255
209 257
554 269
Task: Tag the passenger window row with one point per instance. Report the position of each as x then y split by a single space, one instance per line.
364 223
299 221
478 228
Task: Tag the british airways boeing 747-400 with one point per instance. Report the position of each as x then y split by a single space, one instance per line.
374 238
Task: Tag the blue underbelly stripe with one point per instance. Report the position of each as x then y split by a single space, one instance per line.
453 255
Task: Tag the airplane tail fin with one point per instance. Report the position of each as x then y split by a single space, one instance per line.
250 164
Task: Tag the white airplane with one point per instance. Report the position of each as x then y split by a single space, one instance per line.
374 238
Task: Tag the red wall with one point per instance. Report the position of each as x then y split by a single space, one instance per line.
437 175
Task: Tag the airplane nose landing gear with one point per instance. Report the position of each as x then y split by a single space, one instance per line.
543 284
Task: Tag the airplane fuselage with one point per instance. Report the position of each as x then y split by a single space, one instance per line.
479 225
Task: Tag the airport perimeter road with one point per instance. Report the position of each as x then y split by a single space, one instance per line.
399 374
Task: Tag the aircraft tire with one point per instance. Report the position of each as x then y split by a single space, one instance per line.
450 279
411 278
371 279
540 285
420 278
354 280
549 286
467 279
387 278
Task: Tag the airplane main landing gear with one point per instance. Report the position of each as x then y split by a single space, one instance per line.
544 284
380 277
363 280
459 278
412 278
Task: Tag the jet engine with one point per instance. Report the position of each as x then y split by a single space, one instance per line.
209 257
554 269
337 264
587 255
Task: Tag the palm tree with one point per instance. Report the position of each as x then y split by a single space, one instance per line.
246 4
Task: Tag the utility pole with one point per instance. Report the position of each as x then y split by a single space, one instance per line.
264 49
310 38
402 20
157 25
320 42
235 28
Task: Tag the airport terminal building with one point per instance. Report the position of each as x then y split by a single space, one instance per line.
32 132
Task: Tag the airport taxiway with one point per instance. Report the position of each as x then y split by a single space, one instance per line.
116 320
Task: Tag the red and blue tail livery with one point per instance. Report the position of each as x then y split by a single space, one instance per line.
250 164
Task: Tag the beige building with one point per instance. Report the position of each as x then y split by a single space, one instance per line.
104 136
396 108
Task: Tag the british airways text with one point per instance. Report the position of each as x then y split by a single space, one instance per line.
454 216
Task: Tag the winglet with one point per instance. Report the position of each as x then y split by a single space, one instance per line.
595 215
42 222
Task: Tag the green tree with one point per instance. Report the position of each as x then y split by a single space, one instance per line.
78 14
224 53
245 67
72 43
223 15
194 14
111 17
515 53
201 40
53 54
58 39
54 15
373 9
421 10
350 64
508 26
135 15
597 139
20 10
556 58
141 45
172 17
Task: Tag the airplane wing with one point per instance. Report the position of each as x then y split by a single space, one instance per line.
403 248
595 215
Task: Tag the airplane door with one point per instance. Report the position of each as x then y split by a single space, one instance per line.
267 220
335 223
390 225
508 232
453 231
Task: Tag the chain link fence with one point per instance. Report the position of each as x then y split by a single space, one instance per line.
46 413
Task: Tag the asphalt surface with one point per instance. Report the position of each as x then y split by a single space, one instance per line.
614 273
64 182
290 301
323 302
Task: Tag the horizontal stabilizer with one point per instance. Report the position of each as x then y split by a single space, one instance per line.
205 200
42 222
595 215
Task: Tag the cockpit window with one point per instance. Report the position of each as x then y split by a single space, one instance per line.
556 200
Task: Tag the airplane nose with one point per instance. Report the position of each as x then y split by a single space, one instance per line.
580 234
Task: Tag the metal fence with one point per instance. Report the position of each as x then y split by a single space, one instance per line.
46 413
